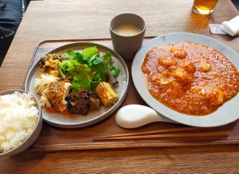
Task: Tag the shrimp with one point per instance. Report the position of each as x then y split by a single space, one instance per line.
188 66
213 95
202 65
178 53
167 61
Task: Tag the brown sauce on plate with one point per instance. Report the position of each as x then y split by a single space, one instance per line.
190 77
65 112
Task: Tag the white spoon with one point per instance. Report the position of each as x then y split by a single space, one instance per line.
135 115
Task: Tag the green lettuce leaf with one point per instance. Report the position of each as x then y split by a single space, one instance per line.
88 68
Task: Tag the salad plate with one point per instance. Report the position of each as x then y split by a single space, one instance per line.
93 117
225 114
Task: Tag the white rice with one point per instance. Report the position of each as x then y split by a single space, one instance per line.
18 118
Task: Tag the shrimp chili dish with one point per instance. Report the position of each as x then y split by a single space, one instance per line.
190 77
77 82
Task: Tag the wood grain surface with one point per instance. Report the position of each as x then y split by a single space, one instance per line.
78 19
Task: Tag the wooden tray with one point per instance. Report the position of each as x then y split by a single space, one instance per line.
57 139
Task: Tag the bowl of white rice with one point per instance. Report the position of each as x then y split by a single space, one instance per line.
20 121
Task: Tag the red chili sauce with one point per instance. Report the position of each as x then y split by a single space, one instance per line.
189 77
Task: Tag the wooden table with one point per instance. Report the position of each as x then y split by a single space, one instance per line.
51 20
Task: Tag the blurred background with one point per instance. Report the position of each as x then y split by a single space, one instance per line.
11 14
236 3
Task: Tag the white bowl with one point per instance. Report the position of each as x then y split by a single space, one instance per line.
33 136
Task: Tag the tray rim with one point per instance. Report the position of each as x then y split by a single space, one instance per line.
38 147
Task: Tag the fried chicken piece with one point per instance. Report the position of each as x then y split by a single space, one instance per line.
54 96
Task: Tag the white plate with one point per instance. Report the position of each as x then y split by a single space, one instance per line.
227 113
62 121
